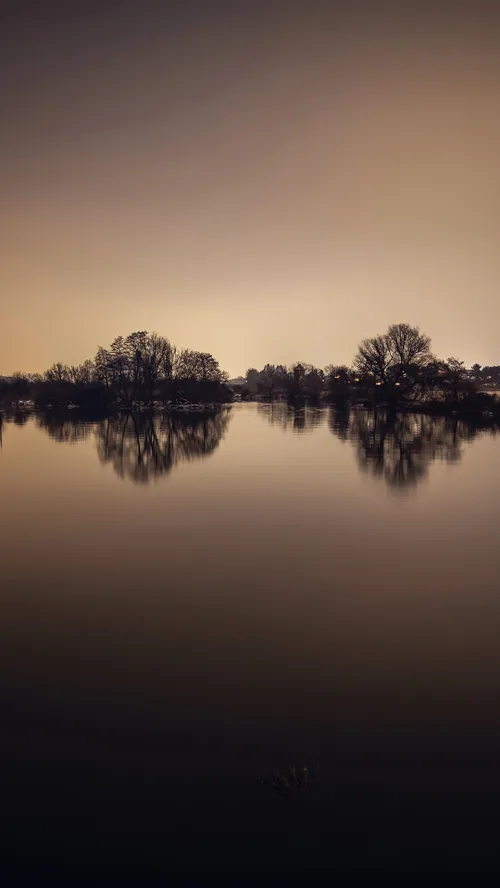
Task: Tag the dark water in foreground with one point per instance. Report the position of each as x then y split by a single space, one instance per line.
190 604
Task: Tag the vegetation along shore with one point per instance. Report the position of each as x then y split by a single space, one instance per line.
396 370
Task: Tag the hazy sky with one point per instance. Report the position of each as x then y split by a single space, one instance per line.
265 181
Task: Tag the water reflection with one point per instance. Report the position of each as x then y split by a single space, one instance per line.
63 429
142 447
297 419
18 417
399 448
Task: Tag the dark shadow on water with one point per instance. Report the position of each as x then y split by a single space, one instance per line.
64 429
292 418
396 447
399 448
142 447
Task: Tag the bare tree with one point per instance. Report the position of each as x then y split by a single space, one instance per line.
58 373
395 360
373 358
83 374
102 364
408 346
198 366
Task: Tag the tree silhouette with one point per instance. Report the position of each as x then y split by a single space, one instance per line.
146 371
142 369
339 381
394 361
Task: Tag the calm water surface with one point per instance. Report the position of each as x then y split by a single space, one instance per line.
189 603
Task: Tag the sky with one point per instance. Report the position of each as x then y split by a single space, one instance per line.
269 182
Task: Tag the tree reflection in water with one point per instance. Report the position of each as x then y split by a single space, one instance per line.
400 447
63 429
296 418
144 446
396 447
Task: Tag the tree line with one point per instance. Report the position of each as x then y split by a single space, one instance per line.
393 369
140 369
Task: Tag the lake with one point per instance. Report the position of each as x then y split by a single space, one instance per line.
191 603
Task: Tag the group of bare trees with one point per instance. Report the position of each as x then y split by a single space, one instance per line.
401 365
300 381
391 369
142 367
